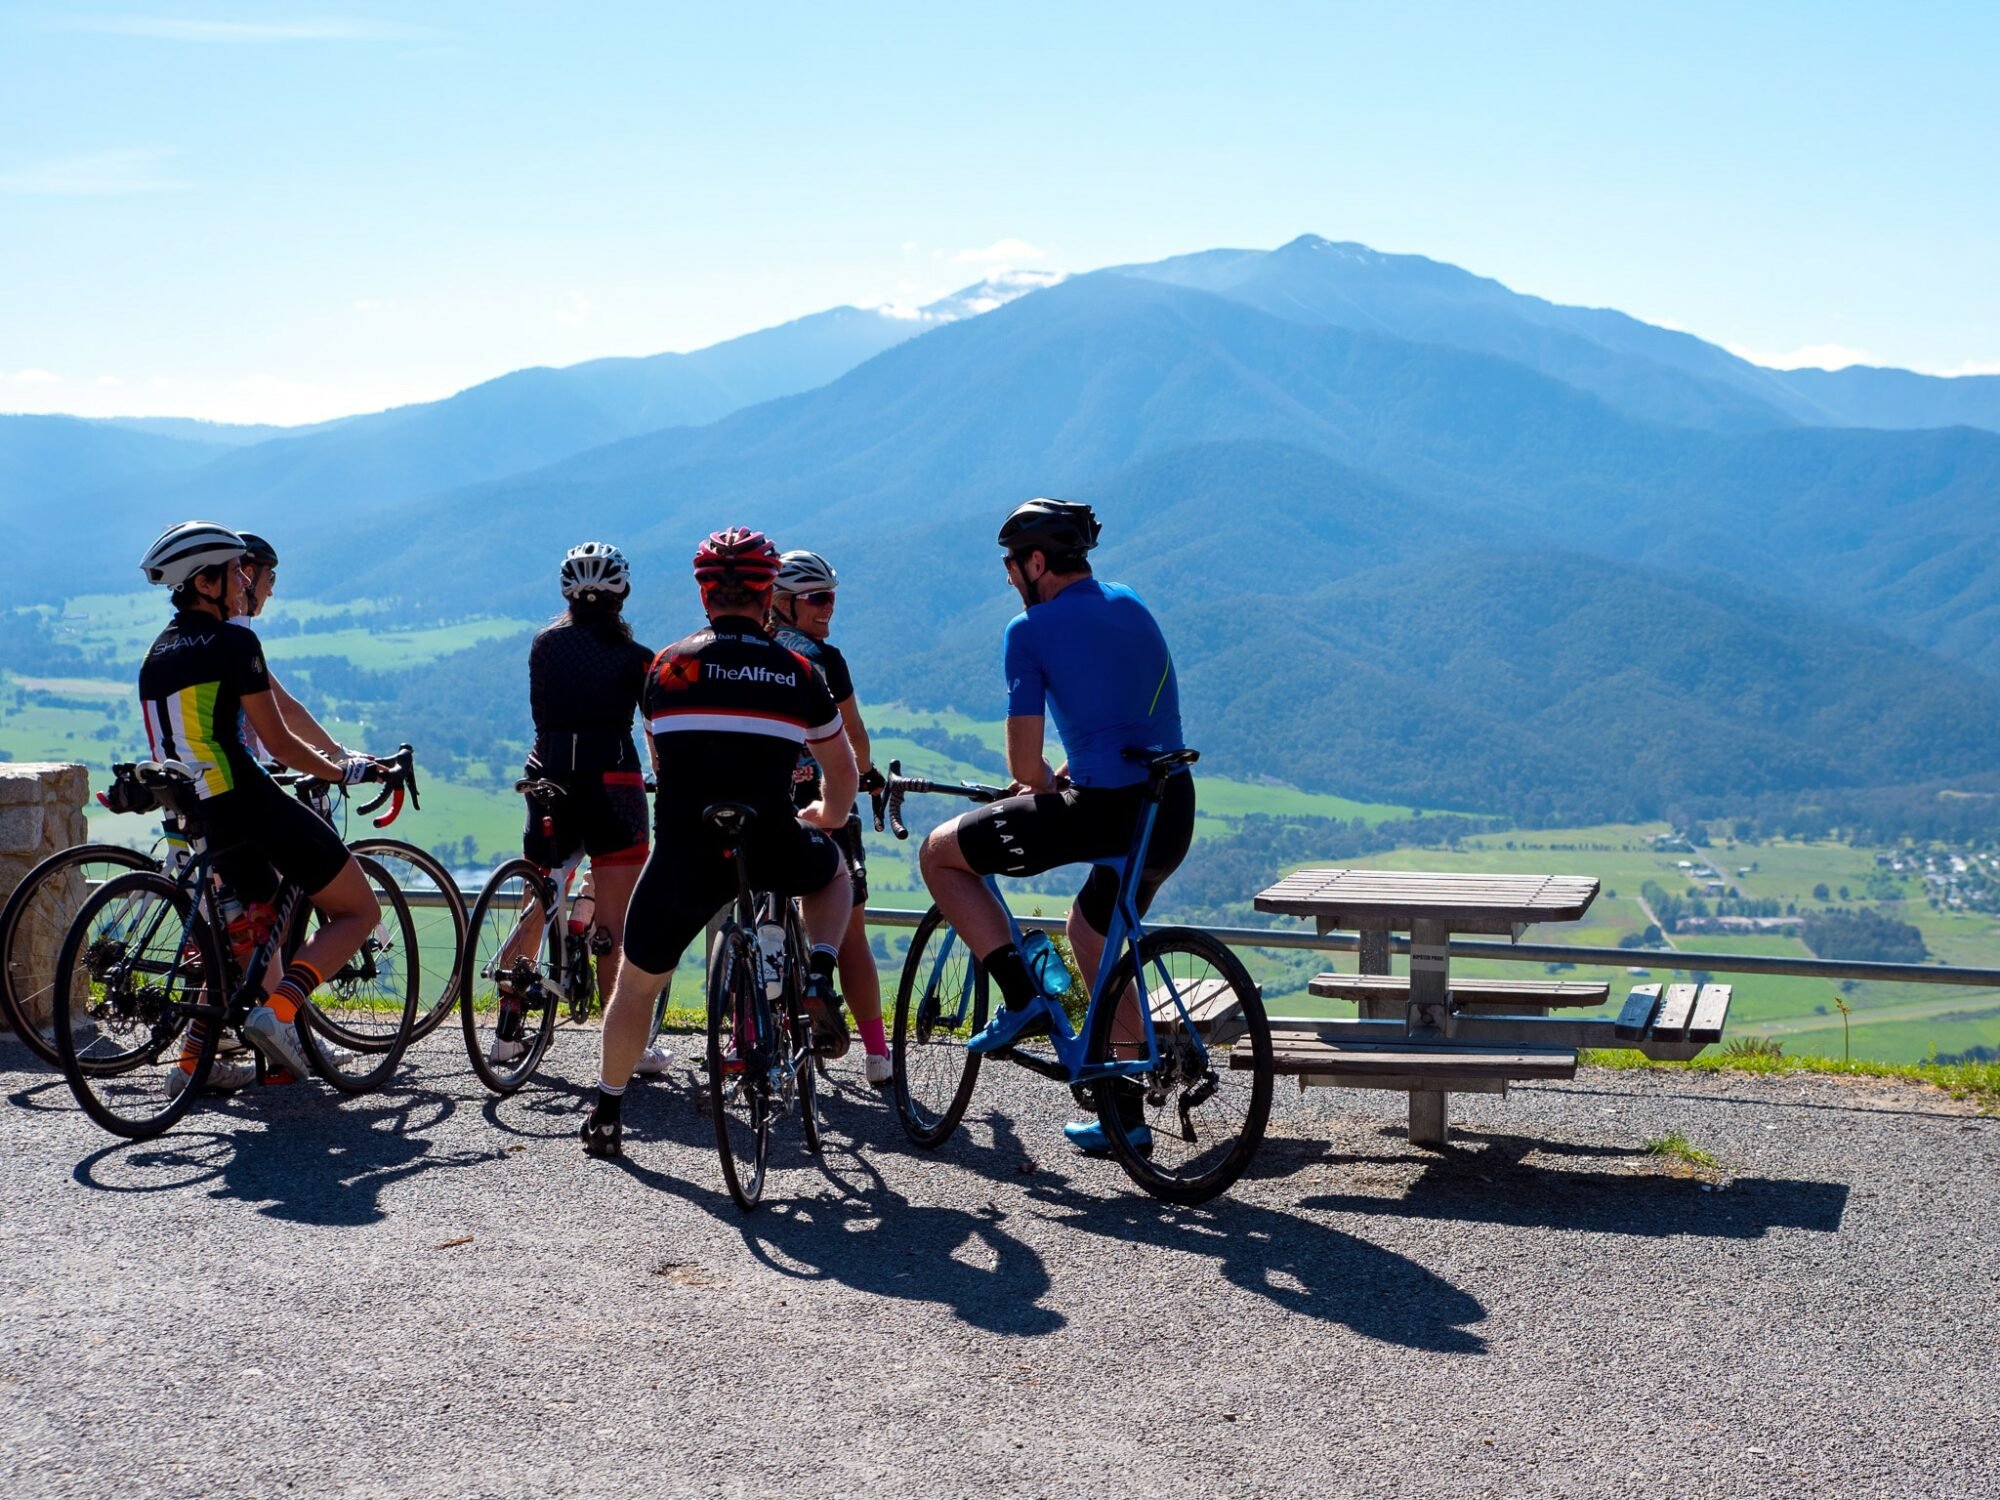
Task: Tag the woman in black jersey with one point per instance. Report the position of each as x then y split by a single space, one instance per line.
585 675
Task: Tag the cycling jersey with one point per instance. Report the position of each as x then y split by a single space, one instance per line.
1093 659
583 689
832 667
191 690
729 709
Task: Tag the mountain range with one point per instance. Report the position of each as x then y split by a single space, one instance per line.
1414 535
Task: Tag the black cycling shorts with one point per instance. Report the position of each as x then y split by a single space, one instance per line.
261 825
689 878
602 813
847 838
1027 835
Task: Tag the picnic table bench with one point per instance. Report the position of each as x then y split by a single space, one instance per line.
1423 1033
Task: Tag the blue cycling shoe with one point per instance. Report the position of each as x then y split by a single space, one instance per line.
1008 1026
1089 1138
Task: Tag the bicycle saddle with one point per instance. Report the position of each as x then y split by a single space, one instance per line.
730 819
1161 760
534 786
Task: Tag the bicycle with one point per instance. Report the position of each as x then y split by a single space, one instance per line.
1201 1016
39 912
509 999
147 958
760 1058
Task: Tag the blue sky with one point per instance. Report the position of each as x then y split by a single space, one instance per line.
260 212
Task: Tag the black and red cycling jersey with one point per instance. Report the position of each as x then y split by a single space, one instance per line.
729 709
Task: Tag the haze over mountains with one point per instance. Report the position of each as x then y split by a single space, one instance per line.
1415 536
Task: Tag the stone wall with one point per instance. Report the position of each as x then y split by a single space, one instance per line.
41 812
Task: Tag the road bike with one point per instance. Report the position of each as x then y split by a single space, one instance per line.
528 961
41 908
147 964
760 1061
1196 1043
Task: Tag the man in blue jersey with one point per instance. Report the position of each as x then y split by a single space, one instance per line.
1091 654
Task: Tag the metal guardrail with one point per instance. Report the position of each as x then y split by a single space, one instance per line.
1531 953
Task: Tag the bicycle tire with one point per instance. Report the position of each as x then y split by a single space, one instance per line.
932 1073
131 1100
439 975
495 921
739 1099
33 923
346 1031
799 1041
1183 1168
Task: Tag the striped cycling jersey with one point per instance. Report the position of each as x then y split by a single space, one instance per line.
728 709
191 690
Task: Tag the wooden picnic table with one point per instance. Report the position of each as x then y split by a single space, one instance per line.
1430 907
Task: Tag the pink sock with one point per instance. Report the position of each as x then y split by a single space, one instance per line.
872 1038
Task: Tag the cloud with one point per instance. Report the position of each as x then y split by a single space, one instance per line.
1000 252
1970 367
1807 357
95 174
170 29
245 398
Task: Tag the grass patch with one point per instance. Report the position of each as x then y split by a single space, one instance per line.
1976 1082
1677 1146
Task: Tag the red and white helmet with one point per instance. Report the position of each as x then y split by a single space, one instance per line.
736 555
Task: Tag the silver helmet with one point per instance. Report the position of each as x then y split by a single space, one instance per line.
802 572
595 568
182 551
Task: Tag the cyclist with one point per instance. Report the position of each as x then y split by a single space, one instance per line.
1091 654
585 676
728 708
801 618
203 677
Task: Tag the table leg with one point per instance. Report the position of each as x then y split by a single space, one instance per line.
1430 986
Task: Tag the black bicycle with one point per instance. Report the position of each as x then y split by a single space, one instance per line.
760 1059
147 964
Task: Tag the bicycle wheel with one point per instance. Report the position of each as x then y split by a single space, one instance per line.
33 924
1210 1097
798 1026
138 964
438 909
357 1024
507 997
739 1061
940 1003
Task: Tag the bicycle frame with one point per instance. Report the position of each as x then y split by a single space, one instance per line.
1127 928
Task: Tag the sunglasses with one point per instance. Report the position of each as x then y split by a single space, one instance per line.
819 597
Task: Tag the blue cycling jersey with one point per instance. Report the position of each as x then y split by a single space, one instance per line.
1093 659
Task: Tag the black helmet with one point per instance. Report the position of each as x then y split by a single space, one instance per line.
257 550
1059 527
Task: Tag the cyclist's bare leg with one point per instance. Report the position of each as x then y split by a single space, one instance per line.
860 985
826 912
1128 1037
960 892
613 889
628 1022
348 913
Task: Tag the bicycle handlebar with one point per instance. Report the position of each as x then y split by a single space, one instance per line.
889 801
398 776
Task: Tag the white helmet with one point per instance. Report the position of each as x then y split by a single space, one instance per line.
184 550
802 572
595 568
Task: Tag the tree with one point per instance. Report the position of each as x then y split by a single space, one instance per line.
1821 893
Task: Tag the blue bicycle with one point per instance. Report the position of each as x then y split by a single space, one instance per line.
1173 1016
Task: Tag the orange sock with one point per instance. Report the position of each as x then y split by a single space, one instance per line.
300 980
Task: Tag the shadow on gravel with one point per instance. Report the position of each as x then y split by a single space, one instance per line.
1492 1182
312 1163
1298 1264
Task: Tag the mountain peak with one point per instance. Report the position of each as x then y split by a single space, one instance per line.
996 290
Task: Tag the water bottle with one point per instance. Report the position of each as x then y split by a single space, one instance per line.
1051 974
771 943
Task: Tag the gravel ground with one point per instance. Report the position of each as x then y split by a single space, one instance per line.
426 1293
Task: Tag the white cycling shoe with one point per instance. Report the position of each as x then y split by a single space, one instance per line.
503 1051
879 1071
653 1062
277 1040
225 1076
